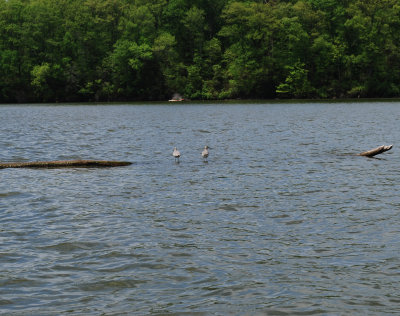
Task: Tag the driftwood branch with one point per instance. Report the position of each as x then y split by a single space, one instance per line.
65 164
376 151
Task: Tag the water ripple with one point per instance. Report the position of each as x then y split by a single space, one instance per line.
282 220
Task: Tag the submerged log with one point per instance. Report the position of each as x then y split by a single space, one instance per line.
376 151
65 164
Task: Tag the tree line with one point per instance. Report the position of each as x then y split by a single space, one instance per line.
118 50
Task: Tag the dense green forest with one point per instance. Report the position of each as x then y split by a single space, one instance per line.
116 50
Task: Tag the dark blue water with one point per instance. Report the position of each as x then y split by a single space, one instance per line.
283 219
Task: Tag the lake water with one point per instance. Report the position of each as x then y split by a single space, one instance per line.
283 219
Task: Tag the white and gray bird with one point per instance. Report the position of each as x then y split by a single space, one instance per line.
176 154
205 153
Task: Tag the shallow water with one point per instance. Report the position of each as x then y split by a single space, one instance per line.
283 219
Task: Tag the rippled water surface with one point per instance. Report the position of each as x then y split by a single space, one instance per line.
283 219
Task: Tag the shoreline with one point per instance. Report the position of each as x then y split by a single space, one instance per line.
212 101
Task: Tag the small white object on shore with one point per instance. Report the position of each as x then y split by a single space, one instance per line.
177 98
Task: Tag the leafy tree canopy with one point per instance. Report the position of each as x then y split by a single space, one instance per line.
111 50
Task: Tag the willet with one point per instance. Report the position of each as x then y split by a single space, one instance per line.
205 153
176 154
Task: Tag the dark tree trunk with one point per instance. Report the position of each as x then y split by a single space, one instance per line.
65 164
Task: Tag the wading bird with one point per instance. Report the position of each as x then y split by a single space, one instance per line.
205 153
176 154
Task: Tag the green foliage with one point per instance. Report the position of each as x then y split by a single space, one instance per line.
205 49
296 83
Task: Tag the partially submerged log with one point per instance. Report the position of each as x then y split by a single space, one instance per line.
65 164
376 151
